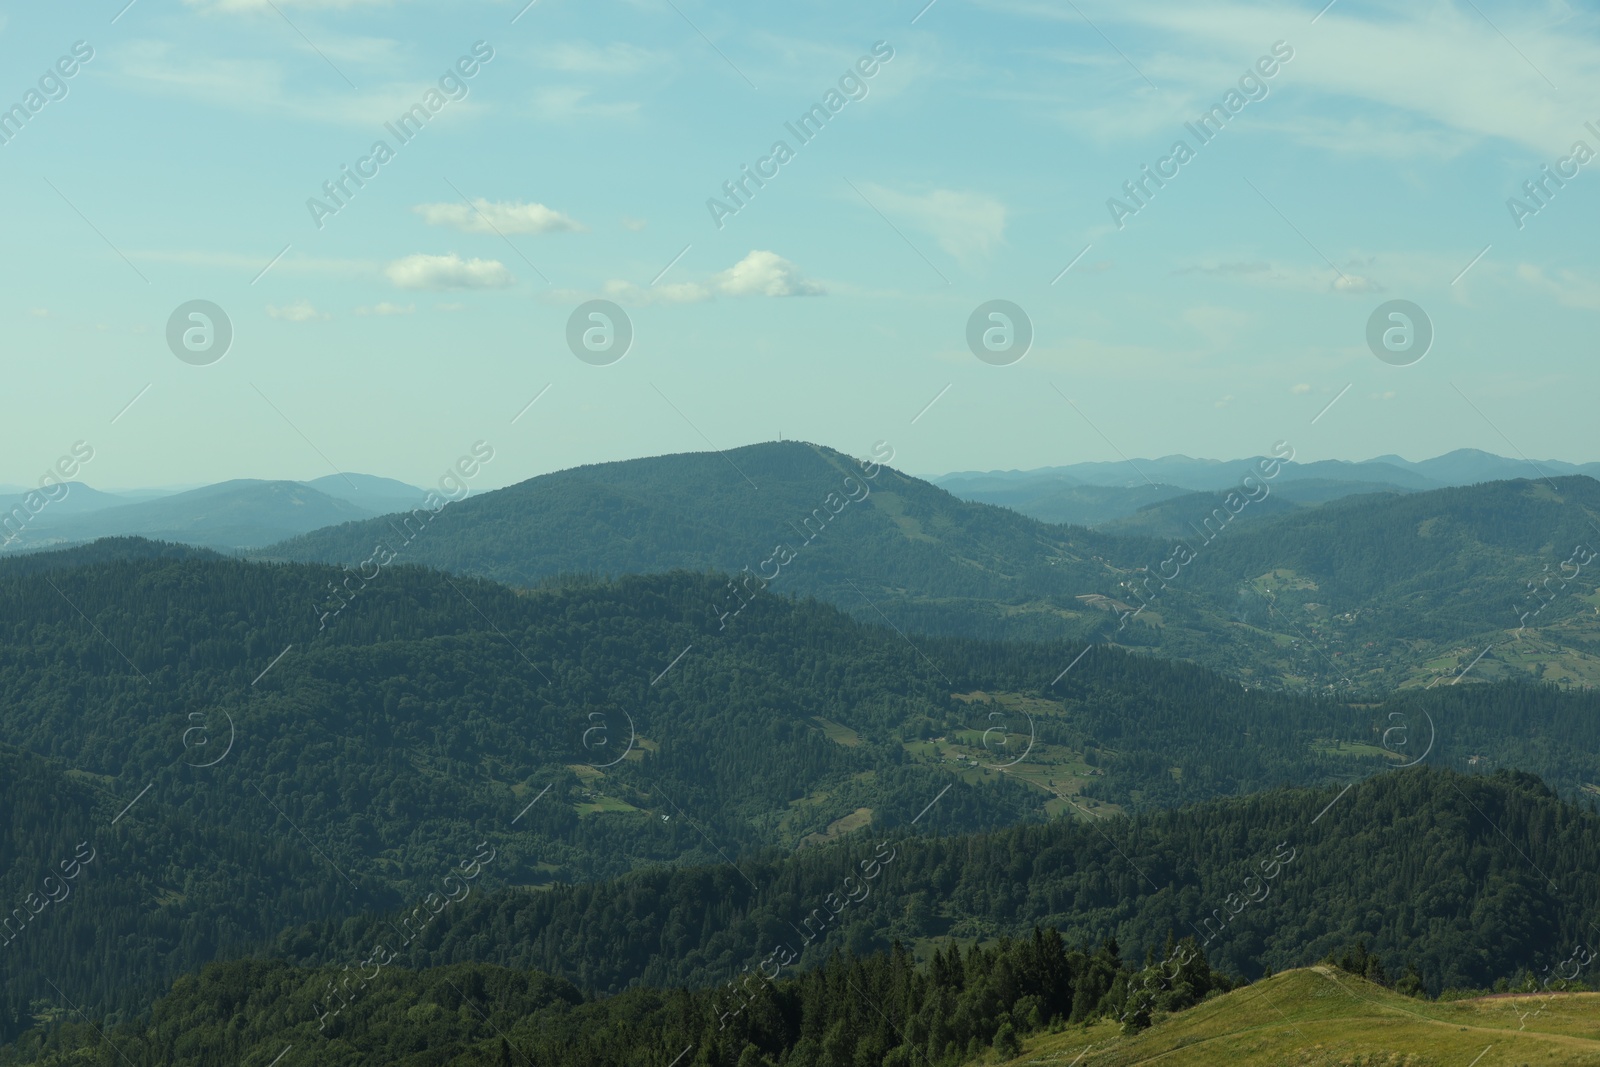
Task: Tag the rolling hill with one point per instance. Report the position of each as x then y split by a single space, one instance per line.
939 564
1362 594
1092 494
236 514
67 498
1321 1015
243 513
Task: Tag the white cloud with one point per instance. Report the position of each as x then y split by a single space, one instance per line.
505 217
1300 390
423 271
386 308
757 274
966 225
1389 136
1405 59
299 311
634 225
40 313
765 274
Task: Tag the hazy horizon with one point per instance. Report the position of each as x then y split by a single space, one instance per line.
483 484
957 154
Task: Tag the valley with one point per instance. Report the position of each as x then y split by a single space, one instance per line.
640 742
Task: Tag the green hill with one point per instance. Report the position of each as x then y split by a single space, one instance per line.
1360 595
1441 565
940 565
1323 1017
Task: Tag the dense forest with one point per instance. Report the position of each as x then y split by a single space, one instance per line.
242 763
1486 896
882 1009
1463 878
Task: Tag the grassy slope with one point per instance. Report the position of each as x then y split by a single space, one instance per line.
1322 1016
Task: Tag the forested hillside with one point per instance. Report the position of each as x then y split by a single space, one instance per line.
1452 880
883 1009
858 532
1466 878
569 730
1361 595
208 718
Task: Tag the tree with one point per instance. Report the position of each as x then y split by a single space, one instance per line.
1005 1041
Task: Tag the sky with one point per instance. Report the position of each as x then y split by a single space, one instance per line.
970 151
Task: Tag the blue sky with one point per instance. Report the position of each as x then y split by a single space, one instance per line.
1223 315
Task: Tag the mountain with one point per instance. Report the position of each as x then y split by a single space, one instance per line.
1468 466
807 518
1363 594
1092 494
65 498
243 513
376 496
1064 501
1067 502
1384 584
1195 475
1175 517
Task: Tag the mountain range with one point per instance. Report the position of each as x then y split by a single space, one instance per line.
244 513
1367 592
584 749
1271 586
1096 493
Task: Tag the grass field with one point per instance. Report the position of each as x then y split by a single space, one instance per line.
1322 1017
838 733
599 804
839 827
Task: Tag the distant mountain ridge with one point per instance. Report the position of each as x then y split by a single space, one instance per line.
1464 466
238 514
1281 599
1100 493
